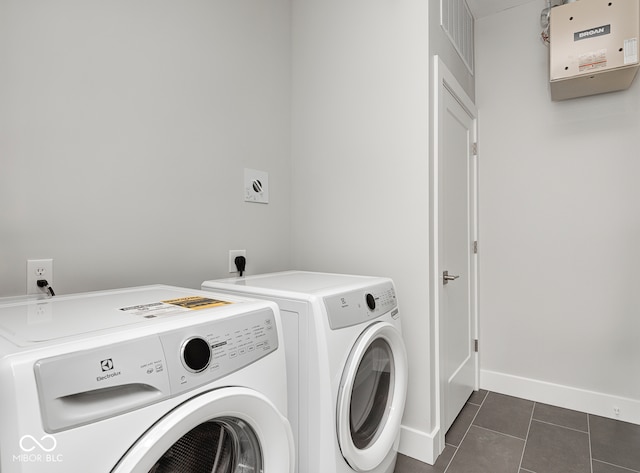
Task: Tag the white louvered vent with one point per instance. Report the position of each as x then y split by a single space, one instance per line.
457 21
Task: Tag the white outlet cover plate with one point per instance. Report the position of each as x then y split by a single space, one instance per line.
38 269
251 177
232 259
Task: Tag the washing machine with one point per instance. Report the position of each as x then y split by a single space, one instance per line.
150 379
346 365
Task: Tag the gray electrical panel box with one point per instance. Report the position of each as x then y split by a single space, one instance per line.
594 47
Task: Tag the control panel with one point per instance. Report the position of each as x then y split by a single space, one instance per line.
355 307
218 349
82 387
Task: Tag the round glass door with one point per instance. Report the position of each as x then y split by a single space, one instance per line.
227 430
372 396
224 445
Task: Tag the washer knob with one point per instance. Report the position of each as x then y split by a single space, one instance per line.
196 354
371 301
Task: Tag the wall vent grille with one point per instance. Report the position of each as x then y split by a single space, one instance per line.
457 22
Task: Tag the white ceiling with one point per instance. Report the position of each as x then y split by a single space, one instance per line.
480 8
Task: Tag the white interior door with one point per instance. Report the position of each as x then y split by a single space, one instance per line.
456 263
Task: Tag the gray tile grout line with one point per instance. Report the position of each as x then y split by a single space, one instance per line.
457 448
589 436
591 451
480 405
531 419
500 433
524 448
588 432
465 434
563 426
617 466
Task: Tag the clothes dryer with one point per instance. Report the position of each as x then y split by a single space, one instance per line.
143 380
346 365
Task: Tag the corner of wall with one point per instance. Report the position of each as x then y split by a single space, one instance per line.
423 446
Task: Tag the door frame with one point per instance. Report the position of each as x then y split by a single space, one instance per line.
445 82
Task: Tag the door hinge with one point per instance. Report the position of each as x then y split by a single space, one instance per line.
475 247
474 149
475 345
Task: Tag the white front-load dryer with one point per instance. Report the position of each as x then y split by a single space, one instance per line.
152 379
346 366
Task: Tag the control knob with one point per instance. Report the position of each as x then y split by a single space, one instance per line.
371 302
196 354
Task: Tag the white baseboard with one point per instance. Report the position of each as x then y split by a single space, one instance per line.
592 402
422 446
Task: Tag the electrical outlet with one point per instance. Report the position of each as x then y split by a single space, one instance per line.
232 259
39 269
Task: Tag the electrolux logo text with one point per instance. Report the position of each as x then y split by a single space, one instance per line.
107 365
38 450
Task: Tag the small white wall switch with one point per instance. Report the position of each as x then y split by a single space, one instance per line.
39 269
232 259
256 186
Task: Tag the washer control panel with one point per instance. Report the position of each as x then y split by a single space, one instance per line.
355 307
86 386
207 352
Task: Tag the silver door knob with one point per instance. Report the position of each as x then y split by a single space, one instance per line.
446 277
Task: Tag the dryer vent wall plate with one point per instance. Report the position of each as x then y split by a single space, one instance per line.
256 186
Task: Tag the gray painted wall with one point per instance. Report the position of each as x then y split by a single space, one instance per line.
559 223
360 201
124 131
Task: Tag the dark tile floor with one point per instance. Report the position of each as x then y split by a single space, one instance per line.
495 433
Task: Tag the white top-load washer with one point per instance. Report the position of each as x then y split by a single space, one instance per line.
346 365
151 379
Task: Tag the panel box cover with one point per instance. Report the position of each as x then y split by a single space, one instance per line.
594 47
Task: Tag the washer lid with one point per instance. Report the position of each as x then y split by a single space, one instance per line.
292 282
34 321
